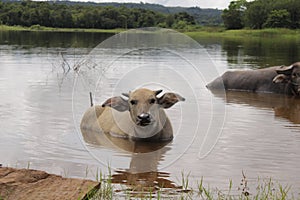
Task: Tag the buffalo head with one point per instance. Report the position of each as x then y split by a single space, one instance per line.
143 104
291 75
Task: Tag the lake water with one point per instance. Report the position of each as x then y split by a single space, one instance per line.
45 80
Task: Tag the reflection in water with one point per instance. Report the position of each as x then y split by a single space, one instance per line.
142 174
144 182
51 39
283 106
245 51
255 52
290 111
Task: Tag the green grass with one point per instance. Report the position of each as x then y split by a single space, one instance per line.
185 182
192 31
243 33
105 189
262 189
48 29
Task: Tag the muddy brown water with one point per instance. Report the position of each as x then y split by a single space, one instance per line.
217 135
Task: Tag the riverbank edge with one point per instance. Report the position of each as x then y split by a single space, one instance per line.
278 33
37 184
213 32
16 183
37 28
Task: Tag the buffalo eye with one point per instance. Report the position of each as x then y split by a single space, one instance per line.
133 102
152 101
295 74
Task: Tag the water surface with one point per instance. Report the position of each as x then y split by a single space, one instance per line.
41 110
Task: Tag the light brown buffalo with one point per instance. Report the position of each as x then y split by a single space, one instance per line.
139 117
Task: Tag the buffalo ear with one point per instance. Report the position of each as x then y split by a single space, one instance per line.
281 78
169 99
286 70
117 103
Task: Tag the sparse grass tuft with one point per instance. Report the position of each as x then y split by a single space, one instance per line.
105 189
259 189
266 189
185 182
28 165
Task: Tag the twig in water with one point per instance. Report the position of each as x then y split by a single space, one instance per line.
91 99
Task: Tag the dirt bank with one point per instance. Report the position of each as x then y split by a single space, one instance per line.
34 184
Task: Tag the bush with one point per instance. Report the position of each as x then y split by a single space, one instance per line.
36 27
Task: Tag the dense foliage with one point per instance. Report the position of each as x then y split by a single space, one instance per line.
51 14
206 16
260 14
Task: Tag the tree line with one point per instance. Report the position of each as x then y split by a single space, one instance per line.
206 16
260 14
50 14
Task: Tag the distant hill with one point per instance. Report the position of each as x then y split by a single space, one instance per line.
205 16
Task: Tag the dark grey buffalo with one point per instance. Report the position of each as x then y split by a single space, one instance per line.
278 79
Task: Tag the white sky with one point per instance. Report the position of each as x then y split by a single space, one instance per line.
221 4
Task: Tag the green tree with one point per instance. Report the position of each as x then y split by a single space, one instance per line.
122 21
52 14
170 20
146 19
293 7
180 25
278 19
14 16
185 17
257 13
44 16
233 16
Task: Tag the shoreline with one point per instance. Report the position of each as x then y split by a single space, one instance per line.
20 183
36 184
38 28
194 32
246 33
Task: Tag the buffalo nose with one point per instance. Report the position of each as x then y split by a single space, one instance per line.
144 117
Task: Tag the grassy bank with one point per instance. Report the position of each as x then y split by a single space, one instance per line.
49 29
244 33
194 32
